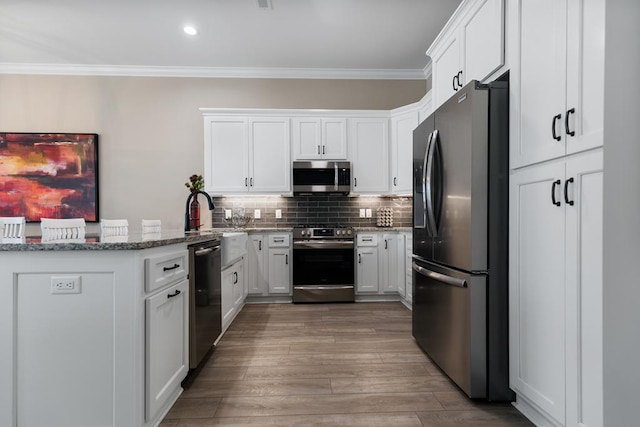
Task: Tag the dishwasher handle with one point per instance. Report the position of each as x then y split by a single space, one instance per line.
204 251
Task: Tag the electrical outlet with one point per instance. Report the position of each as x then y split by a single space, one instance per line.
65 284
227 213
368 213
278 213
362 213
256 214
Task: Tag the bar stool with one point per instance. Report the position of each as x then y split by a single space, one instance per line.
62 229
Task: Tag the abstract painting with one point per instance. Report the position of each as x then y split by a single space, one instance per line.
49 175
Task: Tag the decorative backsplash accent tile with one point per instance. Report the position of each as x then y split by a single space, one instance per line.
328 210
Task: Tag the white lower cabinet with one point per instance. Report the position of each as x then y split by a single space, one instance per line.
280 271
380 263
556 290
270 264
257 263
367 269
392 263
232 292
167 345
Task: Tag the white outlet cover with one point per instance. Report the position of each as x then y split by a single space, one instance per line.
227 213
256 214
368 213
65 284
278 213
362 213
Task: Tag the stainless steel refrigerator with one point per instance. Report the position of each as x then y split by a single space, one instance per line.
460 239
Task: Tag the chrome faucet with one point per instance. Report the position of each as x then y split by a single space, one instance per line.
187 217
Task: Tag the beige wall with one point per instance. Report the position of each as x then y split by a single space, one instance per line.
150 129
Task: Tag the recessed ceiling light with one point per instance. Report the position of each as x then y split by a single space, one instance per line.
190 30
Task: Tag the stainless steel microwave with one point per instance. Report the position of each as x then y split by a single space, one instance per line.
319 177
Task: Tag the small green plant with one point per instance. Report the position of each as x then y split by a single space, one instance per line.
196 182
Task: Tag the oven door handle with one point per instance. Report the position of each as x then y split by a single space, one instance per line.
314 287
323 244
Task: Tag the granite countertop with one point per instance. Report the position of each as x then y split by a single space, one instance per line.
95 242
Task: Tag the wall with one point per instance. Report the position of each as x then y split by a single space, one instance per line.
150 129
621 207
326 210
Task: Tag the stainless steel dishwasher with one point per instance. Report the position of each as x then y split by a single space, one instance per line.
205 307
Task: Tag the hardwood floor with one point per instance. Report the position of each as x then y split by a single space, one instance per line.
327 365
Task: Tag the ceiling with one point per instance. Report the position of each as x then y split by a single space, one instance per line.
291 38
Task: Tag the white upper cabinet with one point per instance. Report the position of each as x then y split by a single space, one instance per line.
560 76
369 144
270 163
319 138
470 47
247 154
402 127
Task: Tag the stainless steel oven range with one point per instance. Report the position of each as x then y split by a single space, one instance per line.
323 264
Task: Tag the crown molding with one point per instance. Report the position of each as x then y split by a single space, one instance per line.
212 72
427 69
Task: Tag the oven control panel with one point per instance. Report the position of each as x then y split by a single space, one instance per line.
323 233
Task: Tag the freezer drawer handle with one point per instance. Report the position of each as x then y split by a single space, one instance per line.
453 281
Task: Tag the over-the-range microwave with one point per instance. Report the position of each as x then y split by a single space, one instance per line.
320 177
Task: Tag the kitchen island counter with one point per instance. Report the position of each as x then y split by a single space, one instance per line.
97 242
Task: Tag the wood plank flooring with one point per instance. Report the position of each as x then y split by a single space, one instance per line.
327 365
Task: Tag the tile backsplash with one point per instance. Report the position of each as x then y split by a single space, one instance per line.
327 210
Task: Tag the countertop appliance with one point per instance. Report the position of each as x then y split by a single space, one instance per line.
460 239
321 177
323 264
205 304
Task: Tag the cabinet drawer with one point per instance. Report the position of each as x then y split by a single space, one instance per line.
279 241
162 270
367 240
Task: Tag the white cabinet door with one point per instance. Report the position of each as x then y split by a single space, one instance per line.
367 269
226 153
279 271
229 280
307 138
446 69
584 290
258 278
585 74
167 345
537 287
269 162
334 139
316 138
400 273
369 139
238 286
483 36
388 252
402 152
542 81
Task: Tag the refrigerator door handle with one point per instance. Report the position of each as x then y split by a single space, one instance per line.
423 184
453 281
429 184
